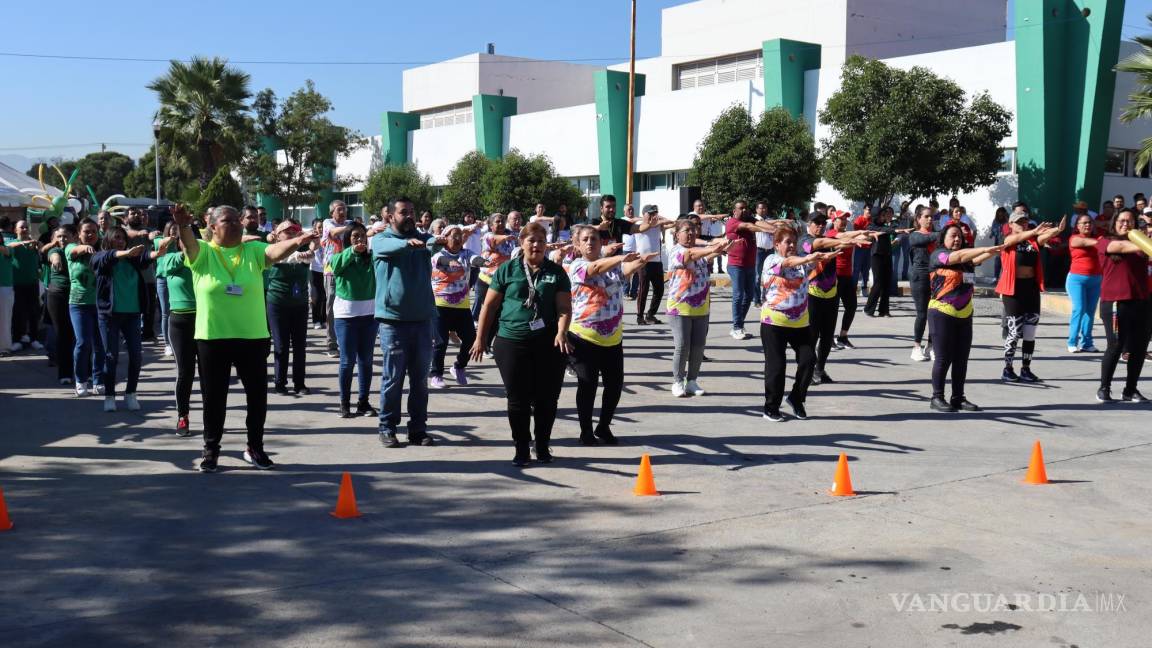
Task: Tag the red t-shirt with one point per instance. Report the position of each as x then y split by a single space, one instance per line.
843 259
969 235
742 254
1101 223
862 222
1125 275
1085 261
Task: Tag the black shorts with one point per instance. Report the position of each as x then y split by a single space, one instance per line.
1026 299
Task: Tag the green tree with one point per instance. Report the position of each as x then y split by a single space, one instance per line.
105 172
464 190
307 141
771 159
519 182
203 117
222 190
388 182
176 184
1140 101
908 132
51 178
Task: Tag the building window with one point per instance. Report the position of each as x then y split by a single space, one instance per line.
1115 162
1007 161
446 115
588 185
726 69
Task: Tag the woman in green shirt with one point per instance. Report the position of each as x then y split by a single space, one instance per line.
88 351
532 297
120 301
287 297
353 312
179 332
56 300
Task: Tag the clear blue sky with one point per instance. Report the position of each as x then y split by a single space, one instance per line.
49 103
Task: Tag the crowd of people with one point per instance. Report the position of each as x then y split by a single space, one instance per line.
543 298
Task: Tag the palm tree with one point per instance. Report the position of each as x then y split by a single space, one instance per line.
1140 101
203 117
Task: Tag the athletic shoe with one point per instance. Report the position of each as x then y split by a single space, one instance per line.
870 313
705 358
390 440
182 427
16 347
757 305
281 390
1027 376
131 403
815 381
364 409
459 375
543 455
452 337
65 381
941 405
775 416
257 457
797 409
1124 357
521 460
653 320
738 334
918 354
1074 349
678 390
589 439
37 346
1104 395
82 390
693 388
845 343
1090 349
825 379
1009 375
109 403
345 411
488 355
421 440
640 321
570 372
964 404
317 327
208 462
605 435
24 340
97 389
836 346
1134 397
302 391
168 351
436 382
332 353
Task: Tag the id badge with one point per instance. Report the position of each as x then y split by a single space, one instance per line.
234 290
969 277
536 324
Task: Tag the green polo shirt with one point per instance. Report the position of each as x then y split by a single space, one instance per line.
288 284
83 288
511 281
181 293
25 265
58 282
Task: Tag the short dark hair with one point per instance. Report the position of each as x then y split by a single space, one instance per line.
396 201
818 206
607 198
1021 203
355 226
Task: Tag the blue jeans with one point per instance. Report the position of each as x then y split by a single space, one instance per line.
861 266
743 289
407 349
761 255
112 327
165 306
88 352
900 262
356 337
1084 291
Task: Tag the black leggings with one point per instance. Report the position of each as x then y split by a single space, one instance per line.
881 285
951 344
217 357
181 335
533 375
822 314
289 326
458 320
775 340
318 298
846 293
651 277
591 362
921 288
57 307
1132 321
26 312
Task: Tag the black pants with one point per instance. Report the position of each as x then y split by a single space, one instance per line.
533 375
289 326
822 323
319 299
651 277
1107 317
881 289
921 289
458 321
846 293
57 307
217 357
593 362
148 312
775 341
1132 321
181 336
481 295
26 312
951 344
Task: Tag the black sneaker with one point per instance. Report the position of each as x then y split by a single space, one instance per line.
1104 395
1009 375
836 346
364 409
815 379
825 379
345 411
390 440
182 427
543 455
845 343
774 415
606 436
1027 376
589 440
797 409
424 440
257 457
941 405
1134 397
281 390
965 405
521 460
653 320
640 321
208 464
302 391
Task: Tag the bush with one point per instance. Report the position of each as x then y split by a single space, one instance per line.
221 190
388 182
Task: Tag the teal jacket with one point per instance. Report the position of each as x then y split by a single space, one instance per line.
403 277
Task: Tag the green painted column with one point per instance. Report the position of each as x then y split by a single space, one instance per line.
394 130
612 129
785 62
272 204
488 113
323 174
1098 37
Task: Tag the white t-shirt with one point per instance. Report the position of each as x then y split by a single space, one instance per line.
546 224
648 241
475 241
764 240
629 243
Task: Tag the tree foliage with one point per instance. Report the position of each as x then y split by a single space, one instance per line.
176 184
518 182
105 172
1140 101
771 159
307 140
222 190
388 182
908 132
464 190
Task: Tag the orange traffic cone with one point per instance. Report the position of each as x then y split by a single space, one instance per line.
1036 473
5 523
346 503
842 483
645 483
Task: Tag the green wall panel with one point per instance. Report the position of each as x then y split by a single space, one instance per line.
394 131
785 62
488 113
612 129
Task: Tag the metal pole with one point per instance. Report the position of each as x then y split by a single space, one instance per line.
631 108
156 158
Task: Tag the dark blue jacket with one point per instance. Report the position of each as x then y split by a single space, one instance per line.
103 264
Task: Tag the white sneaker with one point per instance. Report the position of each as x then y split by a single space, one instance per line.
131 402
16 347
97 389
167 350
918 354
678 390
109 403
692 388
82 390
737 334
37 346
1072 349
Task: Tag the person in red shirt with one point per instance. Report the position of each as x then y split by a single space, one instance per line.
862 259
845 286
1125 281
1082 284
1020 285
741 229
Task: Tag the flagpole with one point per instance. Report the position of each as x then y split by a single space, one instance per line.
631 109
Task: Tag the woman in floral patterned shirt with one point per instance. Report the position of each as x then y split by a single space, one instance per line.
688 303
